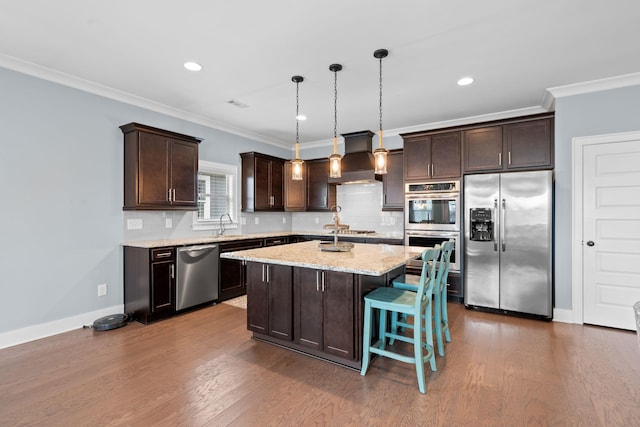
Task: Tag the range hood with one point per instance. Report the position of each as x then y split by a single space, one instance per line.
358 163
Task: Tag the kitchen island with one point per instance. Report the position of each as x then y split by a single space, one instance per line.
311 301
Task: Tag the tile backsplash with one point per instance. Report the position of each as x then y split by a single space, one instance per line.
361 210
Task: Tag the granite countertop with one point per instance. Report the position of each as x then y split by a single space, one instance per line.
234 237
370 260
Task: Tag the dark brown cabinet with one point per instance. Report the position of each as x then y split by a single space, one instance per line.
232 274
160 169
295 192
432 155
149 283
321 195
324 311
270 300
392 183
262 182
525 144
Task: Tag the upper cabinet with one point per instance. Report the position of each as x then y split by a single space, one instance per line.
321 195
392 187
525 144
160 169
262 182
432 155
295 192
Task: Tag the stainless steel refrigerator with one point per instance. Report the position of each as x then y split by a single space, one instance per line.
508 242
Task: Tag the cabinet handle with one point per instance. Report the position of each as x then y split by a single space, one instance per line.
509 158
174 195
431 170
263 272
323 281
499 159
163 255
267 268
317 281
173 271
169 194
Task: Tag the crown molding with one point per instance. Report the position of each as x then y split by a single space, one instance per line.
608 83
74 82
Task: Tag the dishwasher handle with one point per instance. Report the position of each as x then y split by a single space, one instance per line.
197 248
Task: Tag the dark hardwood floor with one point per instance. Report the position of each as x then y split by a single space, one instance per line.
203 369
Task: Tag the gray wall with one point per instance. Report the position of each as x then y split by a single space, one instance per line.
61 219
598 113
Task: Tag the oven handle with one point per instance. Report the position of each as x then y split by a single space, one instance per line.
414 196
432 233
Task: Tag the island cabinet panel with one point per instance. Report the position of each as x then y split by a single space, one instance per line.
270 300
324 311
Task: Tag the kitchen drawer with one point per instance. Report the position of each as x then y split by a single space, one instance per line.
162 254
240 245
274 241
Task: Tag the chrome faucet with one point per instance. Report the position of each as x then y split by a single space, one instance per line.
221 232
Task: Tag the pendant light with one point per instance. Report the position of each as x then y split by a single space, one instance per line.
335 158
296 164
380 153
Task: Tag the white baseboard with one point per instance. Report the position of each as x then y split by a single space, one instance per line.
43 330
563 315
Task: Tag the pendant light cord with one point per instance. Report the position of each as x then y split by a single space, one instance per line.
380 94
297 112
335 104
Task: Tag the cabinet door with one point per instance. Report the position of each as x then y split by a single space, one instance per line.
483 149
262 183
257 298
295 192
529 144
279 278
392 184
307 308
417 159
338 314
184 170
445 155
320 194
231 278
154 175
277 185
162 287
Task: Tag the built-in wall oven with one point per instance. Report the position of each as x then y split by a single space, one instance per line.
432 215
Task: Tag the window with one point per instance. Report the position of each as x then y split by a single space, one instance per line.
217 196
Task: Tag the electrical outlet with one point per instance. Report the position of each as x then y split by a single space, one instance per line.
102 289
284 219
134 224
257 220
168 223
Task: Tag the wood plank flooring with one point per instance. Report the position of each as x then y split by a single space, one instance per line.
203 369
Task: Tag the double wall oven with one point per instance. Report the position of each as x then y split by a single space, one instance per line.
432 214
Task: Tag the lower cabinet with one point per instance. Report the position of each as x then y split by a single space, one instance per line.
149 283
270 300
232 279
324 311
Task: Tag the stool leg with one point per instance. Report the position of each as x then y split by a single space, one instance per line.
438 322
382 334
428 329
394 326
445 317
417 348
366 338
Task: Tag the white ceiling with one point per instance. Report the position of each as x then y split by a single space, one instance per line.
134 51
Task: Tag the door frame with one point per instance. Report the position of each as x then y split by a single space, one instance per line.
577 268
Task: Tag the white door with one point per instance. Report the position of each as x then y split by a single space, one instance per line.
611 232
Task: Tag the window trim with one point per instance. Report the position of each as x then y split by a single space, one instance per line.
213 167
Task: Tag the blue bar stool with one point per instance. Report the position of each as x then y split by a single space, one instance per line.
441 315
410 303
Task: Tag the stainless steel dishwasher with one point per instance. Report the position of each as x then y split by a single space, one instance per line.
197 281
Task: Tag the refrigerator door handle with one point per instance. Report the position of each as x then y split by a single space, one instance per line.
502 224
495 235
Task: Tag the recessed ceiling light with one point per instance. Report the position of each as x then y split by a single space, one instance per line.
192 66
301 117
465 81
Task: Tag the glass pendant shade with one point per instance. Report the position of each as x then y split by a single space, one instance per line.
335 160
380 156
335 165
